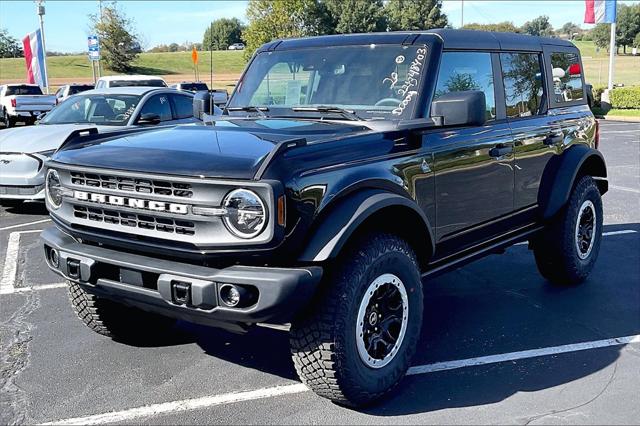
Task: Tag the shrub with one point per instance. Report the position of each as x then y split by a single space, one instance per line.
597 94
626 98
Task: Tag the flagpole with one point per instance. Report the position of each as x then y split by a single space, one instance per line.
40 10
612 52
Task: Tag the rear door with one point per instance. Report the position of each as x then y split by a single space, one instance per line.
473 166
535 133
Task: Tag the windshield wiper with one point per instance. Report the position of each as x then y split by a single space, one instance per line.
348 114
250 108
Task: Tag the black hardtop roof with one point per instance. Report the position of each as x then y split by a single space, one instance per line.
452 39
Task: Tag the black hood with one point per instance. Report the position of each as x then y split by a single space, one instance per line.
233 148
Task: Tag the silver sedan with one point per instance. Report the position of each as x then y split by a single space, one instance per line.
23 150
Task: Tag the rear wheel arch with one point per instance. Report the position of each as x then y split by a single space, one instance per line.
564 171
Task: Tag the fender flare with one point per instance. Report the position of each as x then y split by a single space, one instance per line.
344 218
560 174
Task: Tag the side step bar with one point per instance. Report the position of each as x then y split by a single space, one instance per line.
495 245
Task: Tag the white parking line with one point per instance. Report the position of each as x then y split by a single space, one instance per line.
229 398
604 234
24 224
624 188
36 288
513 356
8 279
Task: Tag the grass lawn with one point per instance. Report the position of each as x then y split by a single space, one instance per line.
617 112
227 66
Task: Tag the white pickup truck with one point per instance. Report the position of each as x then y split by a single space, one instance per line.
23 102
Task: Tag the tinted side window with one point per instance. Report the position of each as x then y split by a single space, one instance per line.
567 77
23 90
158 104
183 106
460 71
523 83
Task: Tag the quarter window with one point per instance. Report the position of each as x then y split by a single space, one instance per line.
523 84
158 104
183 106
567 77
460 71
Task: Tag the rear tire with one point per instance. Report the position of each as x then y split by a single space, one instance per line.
568 248
117 321
356 344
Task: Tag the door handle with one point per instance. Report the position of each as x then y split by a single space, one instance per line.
554 139
500 151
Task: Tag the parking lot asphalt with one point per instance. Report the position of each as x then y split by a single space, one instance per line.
499 344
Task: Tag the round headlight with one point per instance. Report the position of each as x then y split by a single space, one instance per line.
54 188
246 215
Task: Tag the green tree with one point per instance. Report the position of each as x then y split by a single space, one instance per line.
174 47
569 29
600 35
119 45
9 46
539 26
411 15
504 27
636 41
357 16
272 19
628 25
222 33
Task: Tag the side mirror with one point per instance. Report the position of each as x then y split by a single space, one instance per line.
460 108
149 118
40 116
204 104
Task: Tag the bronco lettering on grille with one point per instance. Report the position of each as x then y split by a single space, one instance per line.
135 203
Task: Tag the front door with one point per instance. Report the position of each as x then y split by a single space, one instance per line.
473 166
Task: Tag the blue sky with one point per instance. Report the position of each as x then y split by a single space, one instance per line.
67 24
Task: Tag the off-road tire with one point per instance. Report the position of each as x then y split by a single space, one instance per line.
117 321
323 342
555 248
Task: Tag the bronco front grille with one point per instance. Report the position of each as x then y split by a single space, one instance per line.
134 220
144 186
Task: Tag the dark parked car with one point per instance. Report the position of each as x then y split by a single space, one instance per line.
190 86
344 171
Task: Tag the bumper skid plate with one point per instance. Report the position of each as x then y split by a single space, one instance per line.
181 290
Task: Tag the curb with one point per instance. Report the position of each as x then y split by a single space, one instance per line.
619 118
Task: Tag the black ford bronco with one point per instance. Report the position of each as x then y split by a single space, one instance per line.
342 174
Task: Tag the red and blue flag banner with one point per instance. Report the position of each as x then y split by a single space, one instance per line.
600 11
34 56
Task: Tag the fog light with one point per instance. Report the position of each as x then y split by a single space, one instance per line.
231 295
54 258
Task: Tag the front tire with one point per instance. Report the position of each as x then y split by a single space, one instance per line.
119 322
357 343
568 248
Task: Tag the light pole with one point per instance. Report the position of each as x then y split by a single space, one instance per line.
461 13
40 11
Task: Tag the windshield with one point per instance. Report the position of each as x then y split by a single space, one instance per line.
111 110
137 83
374 81
23 90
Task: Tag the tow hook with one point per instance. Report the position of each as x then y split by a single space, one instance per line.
181 293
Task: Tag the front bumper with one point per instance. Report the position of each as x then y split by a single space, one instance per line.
148 283
22 176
